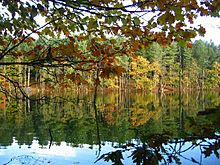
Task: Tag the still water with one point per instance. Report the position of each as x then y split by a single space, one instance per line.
121 128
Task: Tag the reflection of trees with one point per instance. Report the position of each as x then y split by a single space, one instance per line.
165 149
70 120
157 137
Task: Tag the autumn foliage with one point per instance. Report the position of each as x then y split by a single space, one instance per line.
95 42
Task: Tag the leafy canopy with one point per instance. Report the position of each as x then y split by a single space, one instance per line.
161 20
87 24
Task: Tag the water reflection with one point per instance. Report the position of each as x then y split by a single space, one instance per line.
122 128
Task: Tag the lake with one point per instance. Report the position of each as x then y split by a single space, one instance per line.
118 128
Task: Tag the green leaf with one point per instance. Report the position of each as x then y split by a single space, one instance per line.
166 17
178 13
162 19
182 43
92 24
136 21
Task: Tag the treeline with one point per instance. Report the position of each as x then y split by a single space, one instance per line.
194 66
82 63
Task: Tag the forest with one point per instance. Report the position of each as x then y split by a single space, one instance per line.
157 68
106 45
119 82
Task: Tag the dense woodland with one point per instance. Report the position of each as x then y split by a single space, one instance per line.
107 44
59 60
158 68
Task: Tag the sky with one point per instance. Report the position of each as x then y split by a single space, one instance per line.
212 26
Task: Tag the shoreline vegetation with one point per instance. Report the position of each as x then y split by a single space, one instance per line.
136 45
156 69
90 71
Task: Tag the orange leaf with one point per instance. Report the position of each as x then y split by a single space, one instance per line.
96 53
189 45
71 76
